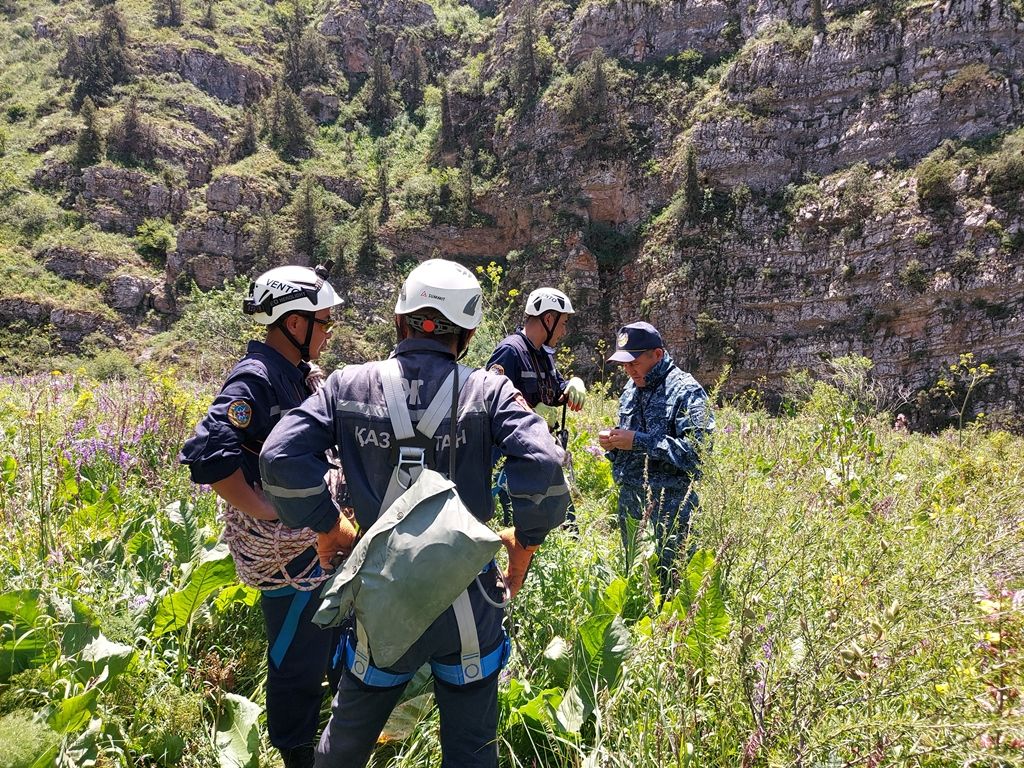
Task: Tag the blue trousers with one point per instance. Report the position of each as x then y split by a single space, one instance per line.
670 510
469 713
298 656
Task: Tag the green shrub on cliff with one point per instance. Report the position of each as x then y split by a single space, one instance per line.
935 175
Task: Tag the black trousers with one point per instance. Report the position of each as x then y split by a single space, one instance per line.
469 713
297 669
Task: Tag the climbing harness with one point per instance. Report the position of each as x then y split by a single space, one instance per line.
422 551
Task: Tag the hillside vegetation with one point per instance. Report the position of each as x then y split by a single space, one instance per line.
855 597
773 185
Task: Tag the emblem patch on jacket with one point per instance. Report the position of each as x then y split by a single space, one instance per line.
498 369
239 413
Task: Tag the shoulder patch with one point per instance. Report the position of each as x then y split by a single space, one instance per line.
498 369
240 413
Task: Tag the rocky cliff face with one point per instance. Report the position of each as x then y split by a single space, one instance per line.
772 184
871 90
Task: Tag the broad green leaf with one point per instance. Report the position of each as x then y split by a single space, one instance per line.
604 645
70 715
541 709
591 634
142 552
186 532
517 693
236 594
571 712
558 660
238 739
406 718
8 470
102 654
79 627
84 751
66 487
45 760
100 507
24 634
167 748
177 609
710 620
615 596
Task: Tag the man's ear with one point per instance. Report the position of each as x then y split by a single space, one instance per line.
296 323
659 354
401 328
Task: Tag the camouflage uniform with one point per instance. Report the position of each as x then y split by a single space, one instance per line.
672 420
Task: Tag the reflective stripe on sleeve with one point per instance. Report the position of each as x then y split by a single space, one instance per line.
537 498
294 493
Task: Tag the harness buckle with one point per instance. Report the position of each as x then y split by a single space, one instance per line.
410 457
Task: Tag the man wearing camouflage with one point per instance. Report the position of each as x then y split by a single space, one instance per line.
664 425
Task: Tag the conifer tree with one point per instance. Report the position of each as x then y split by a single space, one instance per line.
306 58
264 241
382 184
248 141
380 98
169 13
132 141
691 186
89 148
525 72
466 188
209 20
100 61
293 26
448 141
290 127
366 259
588 97
307 216
412 85
817 16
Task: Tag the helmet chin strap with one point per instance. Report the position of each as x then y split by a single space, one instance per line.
303 348
551 330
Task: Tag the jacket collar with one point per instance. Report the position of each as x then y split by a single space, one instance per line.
279 361
658 373
408 346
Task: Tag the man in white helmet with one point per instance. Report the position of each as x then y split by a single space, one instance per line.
527 357
436 315
294 303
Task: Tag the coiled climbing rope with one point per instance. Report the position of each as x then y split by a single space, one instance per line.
262 549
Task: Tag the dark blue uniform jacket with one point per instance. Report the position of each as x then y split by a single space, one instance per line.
349 412
261 387
532 371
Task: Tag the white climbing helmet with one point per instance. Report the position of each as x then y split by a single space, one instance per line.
274 294
448 287
546 299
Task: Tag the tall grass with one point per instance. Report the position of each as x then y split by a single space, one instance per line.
855 598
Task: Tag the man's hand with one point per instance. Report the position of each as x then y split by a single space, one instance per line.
616 439
575 393
337 541
519 558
